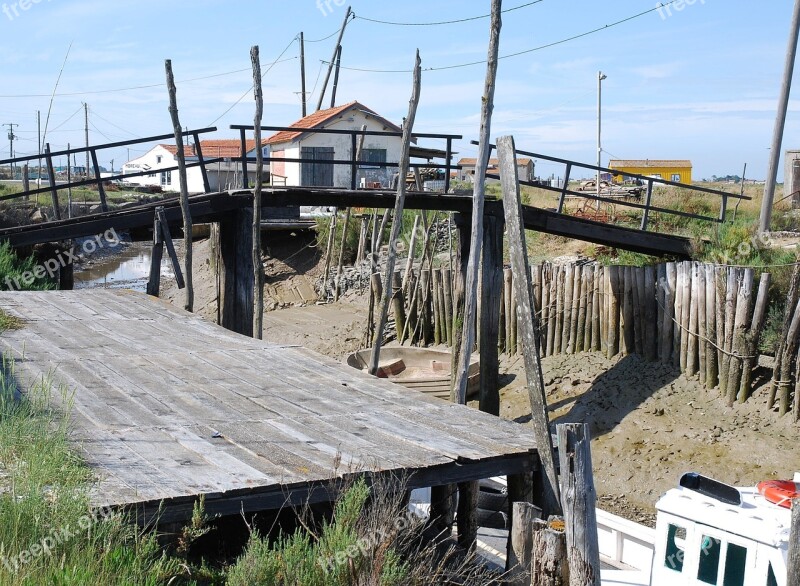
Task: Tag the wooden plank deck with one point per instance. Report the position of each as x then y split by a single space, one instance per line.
167 406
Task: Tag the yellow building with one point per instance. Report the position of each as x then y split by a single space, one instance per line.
677 171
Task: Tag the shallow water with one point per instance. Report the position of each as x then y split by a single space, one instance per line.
125 268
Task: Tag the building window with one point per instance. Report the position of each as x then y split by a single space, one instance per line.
166 178
676 177
709 560
159 158
372 156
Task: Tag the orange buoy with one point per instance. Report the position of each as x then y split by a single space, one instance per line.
779 492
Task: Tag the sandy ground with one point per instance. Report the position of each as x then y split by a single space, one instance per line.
649 424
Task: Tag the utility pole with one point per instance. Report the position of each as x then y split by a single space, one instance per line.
780 122
333 58
86 126
39 132
336 76
303 75
11 138
600 78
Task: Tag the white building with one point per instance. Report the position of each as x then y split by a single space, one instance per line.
225 173
305 144
525 168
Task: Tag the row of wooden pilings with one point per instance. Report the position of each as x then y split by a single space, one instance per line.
705 319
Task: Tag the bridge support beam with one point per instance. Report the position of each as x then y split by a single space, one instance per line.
236 272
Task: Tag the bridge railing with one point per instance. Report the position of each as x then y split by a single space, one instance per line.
621 199
352 162
54 187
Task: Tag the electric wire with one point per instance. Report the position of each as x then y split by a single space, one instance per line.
445 22
518 53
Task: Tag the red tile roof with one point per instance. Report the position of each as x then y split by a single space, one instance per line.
319 118
212 149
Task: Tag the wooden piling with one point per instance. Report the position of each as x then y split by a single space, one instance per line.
547 276
741 323
692 340
519 555
558 335
650 315
437 318
628 326
579 499
399 306
447 289
507 286
491 300
554 311
597 301
566 325
712 365
580 327
549 566
686 315
753 336
572 346
730 319
639 310
614 294
668 328
720 294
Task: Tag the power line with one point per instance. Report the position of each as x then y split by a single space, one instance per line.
444 22
80 109
518 53
330 36
96 115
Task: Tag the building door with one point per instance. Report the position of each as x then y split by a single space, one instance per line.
316 174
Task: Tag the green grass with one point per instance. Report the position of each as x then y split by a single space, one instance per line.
48 532
19 273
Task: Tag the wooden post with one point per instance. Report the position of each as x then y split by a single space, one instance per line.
441 513
793 563
529 327
720 292
411 252
510 313
236 272
156 254
342 244
461 373
741 323
753 335
788 365
583 294
185 211
258 267
398 213
549 565
467 514
398 305
437 310
597 304
51 176
639 320
687 334
628 314
329 251
650 314
447 289
362 241
669 328
442 313
692 340
614 289
519 558
492 279
576 298
459 282
791 302
566 326
26 178
730 318
578 492
702 333
712 364
376 286
555 275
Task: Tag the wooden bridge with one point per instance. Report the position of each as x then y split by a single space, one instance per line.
167 407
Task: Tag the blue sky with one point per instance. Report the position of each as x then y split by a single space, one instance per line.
700 83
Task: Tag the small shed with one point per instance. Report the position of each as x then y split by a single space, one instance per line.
679 171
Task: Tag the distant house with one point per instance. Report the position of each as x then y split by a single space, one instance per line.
223 174
303 143
678 171
525 168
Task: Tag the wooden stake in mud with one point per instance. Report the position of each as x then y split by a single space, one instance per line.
411 252
741 324
712 364
398 216
464 352
753 335
258 268
185 211
529 327
791 303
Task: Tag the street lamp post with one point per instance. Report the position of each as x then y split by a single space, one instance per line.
600 77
